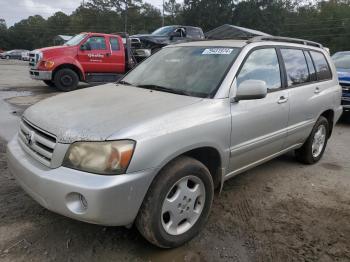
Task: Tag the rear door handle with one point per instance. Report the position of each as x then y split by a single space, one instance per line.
282 100
317 90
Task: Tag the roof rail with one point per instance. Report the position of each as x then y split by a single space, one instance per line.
284 39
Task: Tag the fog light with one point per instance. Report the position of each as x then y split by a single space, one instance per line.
76 203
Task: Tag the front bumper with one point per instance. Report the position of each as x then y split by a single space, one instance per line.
345 101
107 200
40 75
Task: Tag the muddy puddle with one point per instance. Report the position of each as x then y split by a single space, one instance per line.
12 105
9 114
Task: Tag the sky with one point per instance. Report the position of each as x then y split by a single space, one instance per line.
15 10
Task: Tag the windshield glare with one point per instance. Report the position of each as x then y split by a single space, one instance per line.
197 71
342 60
75 40
164 31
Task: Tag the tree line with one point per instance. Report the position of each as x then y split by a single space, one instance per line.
327 22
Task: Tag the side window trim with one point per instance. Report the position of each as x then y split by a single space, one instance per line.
282 77
305 50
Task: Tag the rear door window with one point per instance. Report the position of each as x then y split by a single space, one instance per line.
193 32
262 64
310 65
114 44
321 64
296 67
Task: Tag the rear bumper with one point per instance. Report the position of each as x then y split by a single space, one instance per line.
107 200
40 75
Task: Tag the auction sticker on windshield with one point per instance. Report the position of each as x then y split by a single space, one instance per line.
217 51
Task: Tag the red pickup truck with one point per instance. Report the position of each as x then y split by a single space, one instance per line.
87 57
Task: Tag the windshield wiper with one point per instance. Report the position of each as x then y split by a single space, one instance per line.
166 89
124 83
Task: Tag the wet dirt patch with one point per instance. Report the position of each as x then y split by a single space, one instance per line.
28 100
332 166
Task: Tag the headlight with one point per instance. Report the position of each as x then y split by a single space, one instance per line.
105 158
49 64
39 56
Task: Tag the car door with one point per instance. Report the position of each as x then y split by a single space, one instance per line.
307 95
116 58
93 54
259 126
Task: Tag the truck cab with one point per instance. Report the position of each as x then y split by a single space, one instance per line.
144 45
87 57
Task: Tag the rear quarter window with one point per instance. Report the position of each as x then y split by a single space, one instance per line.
322 68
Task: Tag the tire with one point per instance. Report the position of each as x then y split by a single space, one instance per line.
306 154
49 83
7 57
153 219
66 79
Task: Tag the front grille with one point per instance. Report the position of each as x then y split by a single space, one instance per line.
346 90
33 59
36 142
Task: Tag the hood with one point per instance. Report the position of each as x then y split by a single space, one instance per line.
58 51
343 75
94 114
158 39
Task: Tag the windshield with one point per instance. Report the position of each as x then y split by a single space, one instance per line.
195 71
164 31
75 40
342 60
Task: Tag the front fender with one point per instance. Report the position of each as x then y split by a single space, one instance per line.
159 140
61 61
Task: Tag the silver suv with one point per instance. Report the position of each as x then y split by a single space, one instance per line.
152 149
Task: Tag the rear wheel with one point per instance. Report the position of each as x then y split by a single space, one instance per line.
7 57
177 204
49 83
312 150
66 79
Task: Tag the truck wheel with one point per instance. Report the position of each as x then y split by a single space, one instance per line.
312 150
177 204
66 80
49 83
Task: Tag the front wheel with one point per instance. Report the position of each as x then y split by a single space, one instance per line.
177 204
66 79
312 150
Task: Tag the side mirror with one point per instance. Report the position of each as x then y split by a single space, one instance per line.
85 46
251 90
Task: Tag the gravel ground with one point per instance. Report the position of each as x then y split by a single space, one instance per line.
280 211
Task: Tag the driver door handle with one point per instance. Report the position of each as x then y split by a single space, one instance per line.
282 100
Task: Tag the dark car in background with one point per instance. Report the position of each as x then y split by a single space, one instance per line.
144 45
13 54
342 63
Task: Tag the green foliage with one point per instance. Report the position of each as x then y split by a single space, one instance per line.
327 22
